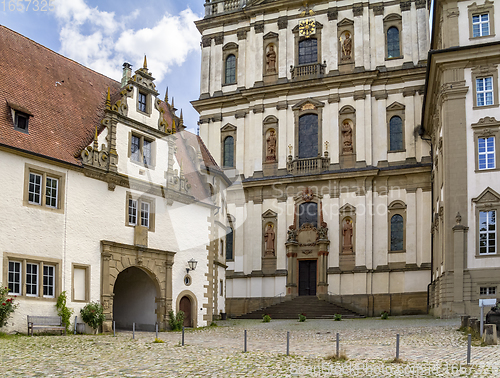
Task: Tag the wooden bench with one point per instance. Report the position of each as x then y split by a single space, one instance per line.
46 323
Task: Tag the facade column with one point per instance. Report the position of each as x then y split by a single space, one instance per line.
459 255
106 294
291 254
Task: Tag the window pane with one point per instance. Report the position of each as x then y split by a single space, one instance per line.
396 134
229 152
35 189
142 102
48 280
230 69
397 233
145 214
14 279
132 212
308 136
31 279
393 43
308 51
486 153
229 244
135 152
146 149
308 213
51 192
487 232
80 284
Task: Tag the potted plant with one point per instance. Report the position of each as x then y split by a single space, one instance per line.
93 315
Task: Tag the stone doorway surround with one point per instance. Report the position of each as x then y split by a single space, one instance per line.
116 257
194 306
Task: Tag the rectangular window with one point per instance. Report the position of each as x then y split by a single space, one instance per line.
221 284
487 232
51 185
21 121
145 214
486 153
48 281
14 278
132 212
141 150
81 278
135 148
488 290
481 25
35 189
146 152
32 279
484 91
142 102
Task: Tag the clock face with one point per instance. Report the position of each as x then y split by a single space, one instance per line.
307 28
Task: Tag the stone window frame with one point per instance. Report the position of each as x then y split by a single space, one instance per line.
396 207
230 48
152 209
44 172
488 200
475 10
395 109
87 282
302 108
269 123
298 38
393 20
482 72
40 261
142 137
485 128
228 130
487 287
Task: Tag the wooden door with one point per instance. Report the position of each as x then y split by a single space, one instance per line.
307 277
185 306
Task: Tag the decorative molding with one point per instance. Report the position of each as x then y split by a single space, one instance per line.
206 41
420 4
357 9
332 14
259 27
486 122
282 22
271 35
242 34
219 39
378 9
334 98
405 5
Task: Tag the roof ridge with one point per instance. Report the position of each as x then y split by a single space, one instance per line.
55 52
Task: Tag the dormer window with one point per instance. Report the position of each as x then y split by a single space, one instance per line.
142 102
20 116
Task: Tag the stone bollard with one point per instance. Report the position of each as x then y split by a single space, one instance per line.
490 334
464 321
474 324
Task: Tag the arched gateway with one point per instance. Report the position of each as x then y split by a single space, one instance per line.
150 269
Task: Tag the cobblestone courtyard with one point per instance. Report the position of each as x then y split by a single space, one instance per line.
429 347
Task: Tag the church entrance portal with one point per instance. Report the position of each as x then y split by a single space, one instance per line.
185 306
134 300
307 277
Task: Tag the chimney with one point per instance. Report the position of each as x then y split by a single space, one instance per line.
127 73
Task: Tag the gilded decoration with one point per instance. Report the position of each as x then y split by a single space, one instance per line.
307 195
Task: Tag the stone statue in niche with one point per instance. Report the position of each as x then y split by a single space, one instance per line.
346 46
271 60
347 232
323 231
271 146
346 137
269 237
292 234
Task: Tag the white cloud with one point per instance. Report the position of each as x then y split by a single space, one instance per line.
101 41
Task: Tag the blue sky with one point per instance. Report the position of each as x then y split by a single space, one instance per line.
103 34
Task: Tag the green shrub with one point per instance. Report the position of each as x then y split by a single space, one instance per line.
158 341
266 318
302 317
63 311
337 317
176 321
93 314
7 306
384 315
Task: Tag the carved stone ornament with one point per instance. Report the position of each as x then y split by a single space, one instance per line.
282 22
219 39
259 27
307 195
291 234
458 219
206 41
357 9
346 129
271 60
307 251
332 14
242 34
347 234
378 9
345 41
323 231
405 5
420 4
269 237
307 235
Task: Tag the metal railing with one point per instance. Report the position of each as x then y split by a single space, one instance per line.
215 7
309 165
308 71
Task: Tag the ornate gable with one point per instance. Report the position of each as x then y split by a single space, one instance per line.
308 103
488 196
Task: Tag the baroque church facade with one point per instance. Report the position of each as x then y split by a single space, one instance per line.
314 111
100 179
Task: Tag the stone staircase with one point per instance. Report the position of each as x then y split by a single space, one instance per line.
311 306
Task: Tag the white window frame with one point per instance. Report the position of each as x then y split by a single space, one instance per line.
132 211
487 153
145 213
487 232
483 93
480 23
19 282
37 188
48 276
48 195
31 275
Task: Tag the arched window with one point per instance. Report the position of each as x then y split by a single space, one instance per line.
393 50
396 134
308 213
229 244
228 152
397 233
230 69
308 136
308 51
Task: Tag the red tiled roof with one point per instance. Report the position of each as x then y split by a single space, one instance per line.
208 159
65 98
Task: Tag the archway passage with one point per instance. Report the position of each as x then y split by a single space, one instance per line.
307 277
185 306
134 300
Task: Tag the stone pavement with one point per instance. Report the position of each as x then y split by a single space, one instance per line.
429 347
